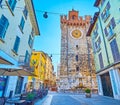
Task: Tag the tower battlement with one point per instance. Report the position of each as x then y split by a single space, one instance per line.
74 19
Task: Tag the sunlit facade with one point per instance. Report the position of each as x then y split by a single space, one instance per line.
105 37
17 30
38 62
77 70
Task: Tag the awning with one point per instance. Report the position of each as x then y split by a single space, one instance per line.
14 71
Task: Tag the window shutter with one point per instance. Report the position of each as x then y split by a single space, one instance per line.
105 30
102 15
26 60
101 61
3 26
10 2
113 23
115 51
99 40
96 26
95 45
13 5
0 2
1 31
108 5
16 45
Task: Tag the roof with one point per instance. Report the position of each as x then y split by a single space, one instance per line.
97 2
92 25
32 15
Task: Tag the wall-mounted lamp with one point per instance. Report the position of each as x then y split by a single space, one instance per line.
45 15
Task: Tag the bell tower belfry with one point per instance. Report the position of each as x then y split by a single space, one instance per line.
74 61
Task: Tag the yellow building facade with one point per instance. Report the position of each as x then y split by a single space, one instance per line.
38 62
43 69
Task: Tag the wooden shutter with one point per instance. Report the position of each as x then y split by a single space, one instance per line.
105 30
113 23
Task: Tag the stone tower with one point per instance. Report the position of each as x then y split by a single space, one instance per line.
76 65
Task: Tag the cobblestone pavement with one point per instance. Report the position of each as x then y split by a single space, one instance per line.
76 99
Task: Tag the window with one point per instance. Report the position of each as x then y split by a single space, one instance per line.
0 3
76 58
30 41
3 26
22 23
12 4
101 61
95 31
106 13
102 2
32 32
115 51
73 17
16 44
27 57
77 68
77 47
25 12
109 30
97 44
19 85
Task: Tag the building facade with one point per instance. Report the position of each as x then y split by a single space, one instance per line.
105 37
44 70
38 61
76 65
18 26
49 72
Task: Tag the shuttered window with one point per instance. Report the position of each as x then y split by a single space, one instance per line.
101 61
22 23
12 4
27 57
106 13
25 12
3 26
16 44
109 29
115 51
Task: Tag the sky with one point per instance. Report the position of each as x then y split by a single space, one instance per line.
49 40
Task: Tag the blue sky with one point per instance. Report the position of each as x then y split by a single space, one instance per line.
50 39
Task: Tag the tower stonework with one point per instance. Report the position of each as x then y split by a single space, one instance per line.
76 62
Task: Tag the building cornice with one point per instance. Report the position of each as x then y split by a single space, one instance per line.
31 10
92 24
97 2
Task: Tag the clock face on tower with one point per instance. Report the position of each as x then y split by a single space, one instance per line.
76 33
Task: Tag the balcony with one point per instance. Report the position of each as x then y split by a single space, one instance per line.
25 63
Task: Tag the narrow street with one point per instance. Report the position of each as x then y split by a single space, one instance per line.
76 99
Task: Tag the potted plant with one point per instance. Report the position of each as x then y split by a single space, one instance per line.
30 98
88 93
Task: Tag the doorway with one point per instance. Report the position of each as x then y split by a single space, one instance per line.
106 85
